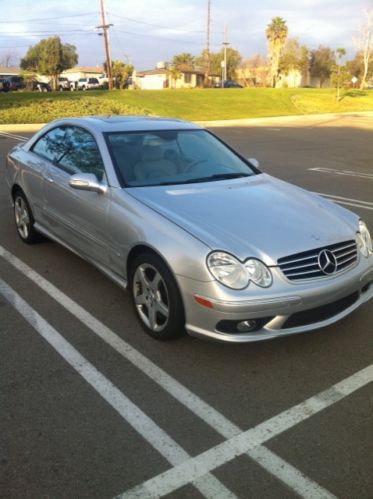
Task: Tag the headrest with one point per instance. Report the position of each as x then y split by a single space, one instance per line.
151 153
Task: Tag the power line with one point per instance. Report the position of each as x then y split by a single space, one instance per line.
43 33
160 37
156 25
23 21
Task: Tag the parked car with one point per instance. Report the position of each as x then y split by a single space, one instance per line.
63 84
4 85
202 239
227 84
88 83
15 82
40 86
231 84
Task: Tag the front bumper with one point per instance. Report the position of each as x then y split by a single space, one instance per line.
285 308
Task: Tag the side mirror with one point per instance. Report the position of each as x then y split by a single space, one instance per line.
254 162
87 182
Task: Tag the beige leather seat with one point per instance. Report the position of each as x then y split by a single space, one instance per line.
153 164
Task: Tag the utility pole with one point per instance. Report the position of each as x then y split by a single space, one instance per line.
207 50
105 28
225 43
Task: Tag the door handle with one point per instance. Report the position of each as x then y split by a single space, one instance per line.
49 179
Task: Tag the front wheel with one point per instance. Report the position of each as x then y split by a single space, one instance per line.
156 297
25 220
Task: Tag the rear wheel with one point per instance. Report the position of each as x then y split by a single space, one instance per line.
25 220
156 297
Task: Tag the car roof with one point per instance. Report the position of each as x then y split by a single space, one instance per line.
127 123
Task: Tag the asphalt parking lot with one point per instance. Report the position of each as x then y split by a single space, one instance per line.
90 407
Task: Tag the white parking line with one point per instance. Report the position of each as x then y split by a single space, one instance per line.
366 205
278 467
209 486
184 473
14 136
348 173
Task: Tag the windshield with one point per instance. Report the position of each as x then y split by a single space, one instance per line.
173 157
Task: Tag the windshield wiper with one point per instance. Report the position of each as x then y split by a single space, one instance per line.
217 176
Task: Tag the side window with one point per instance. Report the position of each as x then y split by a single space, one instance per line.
81 154
51 145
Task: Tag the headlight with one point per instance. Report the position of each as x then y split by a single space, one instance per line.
227 270
232 273
363 239
258 272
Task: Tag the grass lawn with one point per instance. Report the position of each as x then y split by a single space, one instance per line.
196 104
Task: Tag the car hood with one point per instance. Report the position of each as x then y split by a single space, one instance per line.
258 216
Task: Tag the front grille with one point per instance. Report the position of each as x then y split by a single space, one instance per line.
305 265
320 313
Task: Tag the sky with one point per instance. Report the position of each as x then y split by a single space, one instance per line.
145 32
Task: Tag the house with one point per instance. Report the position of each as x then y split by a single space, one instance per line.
253 72
294 78
7 72
73 74
166 76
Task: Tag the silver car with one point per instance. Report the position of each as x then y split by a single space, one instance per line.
203 240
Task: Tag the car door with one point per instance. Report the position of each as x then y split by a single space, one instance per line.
35 163
78 218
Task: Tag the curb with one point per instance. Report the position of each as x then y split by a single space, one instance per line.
33 127
291 118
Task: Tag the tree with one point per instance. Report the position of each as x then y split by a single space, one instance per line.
338 69
355 66
276 33
233 61
254 71
50 57
294 60
364 43
173 74
8 59
120 72
183 60
321 63
69 56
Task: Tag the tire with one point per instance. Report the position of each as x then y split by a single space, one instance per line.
156 297
24 220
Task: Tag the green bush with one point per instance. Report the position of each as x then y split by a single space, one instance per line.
48 109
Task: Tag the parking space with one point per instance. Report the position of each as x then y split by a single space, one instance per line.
91 407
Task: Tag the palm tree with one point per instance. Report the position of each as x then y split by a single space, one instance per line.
183 60
276 34
173 74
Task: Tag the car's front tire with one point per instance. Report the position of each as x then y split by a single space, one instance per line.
24 219
156 297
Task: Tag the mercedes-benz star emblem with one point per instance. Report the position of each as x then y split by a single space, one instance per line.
327 262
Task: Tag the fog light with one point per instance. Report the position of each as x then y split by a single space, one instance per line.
245 326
